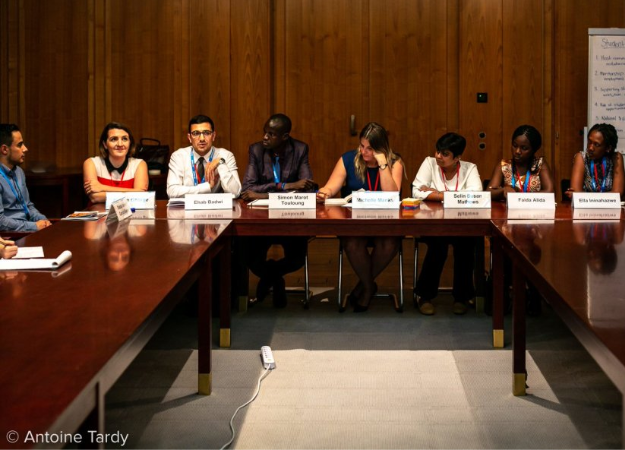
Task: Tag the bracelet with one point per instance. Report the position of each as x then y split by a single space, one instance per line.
383 166
283 184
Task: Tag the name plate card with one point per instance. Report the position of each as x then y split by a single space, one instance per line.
215 214
208 201
136 200
292 213
531 200
366 213
531 214
293 200
596 214
462 213
145 214
453 199
120 210
375 200
596 200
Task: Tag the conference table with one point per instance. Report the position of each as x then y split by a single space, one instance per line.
431 219
67 335
577 266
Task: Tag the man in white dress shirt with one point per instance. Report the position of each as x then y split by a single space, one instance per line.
202 168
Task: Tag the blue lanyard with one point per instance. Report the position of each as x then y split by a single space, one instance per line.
276 170
528 175
594 175
17 193
193 168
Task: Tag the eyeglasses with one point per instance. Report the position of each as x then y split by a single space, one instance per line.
198 133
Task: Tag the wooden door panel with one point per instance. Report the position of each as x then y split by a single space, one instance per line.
209 66
409 75
573 18
250 75
53 82
481 62
140 85
325 70
523 89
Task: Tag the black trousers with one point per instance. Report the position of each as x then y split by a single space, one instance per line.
255 254
464 262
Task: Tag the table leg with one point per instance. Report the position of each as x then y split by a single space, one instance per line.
497 294
94 422
480 279
518 332
205 313
239 275
225 259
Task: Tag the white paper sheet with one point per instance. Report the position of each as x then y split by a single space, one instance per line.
37 263
29 252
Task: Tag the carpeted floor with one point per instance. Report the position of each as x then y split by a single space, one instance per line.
373 380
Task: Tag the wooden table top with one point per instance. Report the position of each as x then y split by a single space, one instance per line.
62 332
434 212
430 219
578 265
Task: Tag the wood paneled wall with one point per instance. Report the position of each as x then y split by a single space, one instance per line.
410 92
571 71
67 67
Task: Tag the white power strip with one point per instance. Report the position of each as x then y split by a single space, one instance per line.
267 356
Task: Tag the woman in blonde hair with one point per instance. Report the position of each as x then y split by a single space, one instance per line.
373 167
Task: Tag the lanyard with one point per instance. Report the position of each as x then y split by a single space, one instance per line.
117 183
457 177
528 176
377 180
595 178
594 231
16 192
276 170
194 169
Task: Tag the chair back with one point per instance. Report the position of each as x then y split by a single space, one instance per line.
154 154
565 184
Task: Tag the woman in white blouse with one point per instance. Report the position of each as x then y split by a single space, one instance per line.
446 172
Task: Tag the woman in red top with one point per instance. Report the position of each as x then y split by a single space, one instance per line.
116 170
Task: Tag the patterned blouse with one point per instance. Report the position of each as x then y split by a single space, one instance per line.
597 174
517 180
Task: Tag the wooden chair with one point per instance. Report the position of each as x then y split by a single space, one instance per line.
565 184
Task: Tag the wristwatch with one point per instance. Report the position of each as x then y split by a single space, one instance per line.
383 166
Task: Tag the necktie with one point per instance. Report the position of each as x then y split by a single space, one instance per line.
200 169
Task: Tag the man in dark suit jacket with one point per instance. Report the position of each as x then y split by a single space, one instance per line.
278 163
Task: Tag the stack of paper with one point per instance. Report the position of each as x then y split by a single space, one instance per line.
175 203
36 263
85 215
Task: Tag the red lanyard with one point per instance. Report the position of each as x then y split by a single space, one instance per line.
528 177
457 177
377 180
117 182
